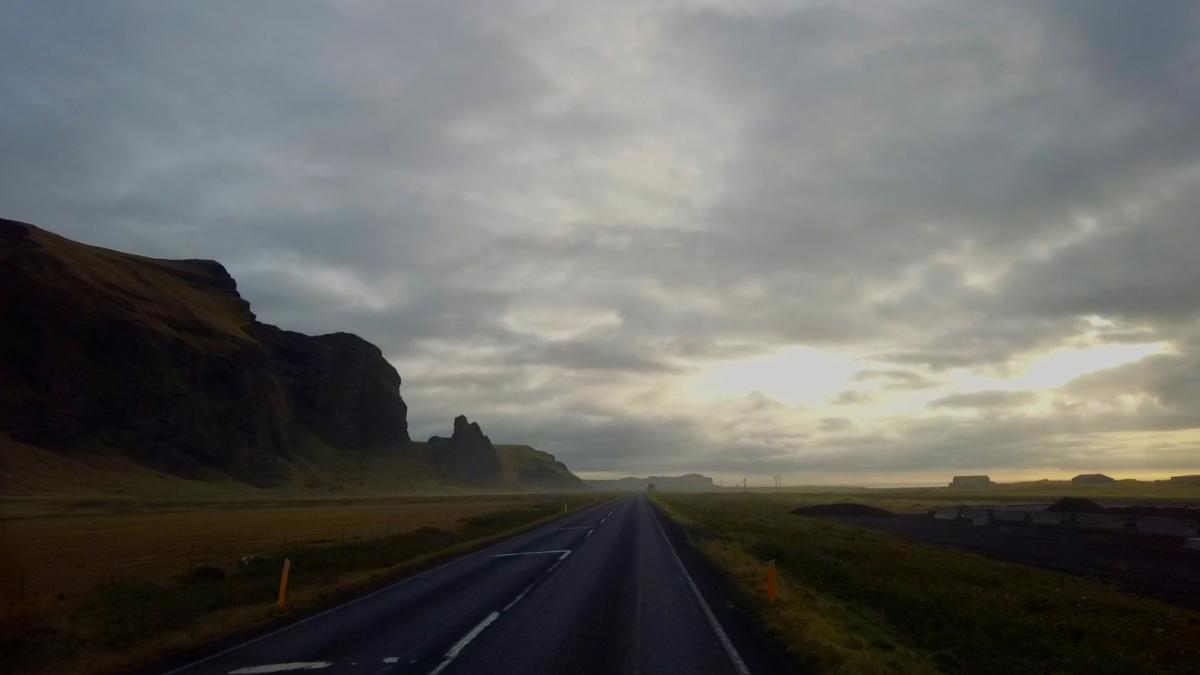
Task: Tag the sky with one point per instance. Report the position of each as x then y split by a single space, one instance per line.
859 242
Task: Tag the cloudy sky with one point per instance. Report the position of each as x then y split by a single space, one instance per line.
857 242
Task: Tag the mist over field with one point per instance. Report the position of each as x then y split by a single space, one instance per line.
837 242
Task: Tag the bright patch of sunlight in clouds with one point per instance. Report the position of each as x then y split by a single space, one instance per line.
796 376
1060 366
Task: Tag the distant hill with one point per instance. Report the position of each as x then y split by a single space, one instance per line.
691 482
120 365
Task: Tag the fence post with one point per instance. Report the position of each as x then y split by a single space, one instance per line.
283 579
771 582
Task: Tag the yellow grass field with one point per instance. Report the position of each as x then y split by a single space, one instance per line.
47 562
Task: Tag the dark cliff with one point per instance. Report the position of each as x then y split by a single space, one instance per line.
164 361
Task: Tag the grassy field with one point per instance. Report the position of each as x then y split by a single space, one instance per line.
855 601
113 589
914 500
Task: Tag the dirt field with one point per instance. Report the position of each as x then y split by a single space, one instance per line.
49 561
1158 567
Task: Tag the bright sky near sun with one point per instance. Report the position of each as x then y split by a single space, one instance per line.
812 378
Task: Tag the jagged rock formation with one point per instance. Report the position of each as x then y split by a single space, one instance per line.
469 457
164 361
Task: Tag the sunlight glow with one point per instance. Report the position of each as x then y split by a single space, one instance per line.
1058 367
796 375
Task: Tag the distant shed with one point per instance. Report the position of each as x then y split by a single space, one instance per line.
971 482
1092 479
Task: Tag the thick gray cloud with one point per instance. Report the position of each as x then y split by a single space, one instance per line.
985 399
553 218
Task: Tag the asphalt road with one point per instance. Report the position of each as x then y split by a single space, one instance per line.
612 588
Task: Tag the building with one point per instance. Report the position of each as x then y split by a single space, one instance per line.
1092 478
971 482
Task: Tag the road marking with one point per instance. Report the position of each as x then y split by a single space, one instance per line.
479 628
318 615
588 534
391 659
560 552
738 664
464 641
282 667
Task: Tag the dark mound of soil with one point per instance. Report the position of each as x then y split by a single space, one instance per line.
1079 505
1076 505
845 509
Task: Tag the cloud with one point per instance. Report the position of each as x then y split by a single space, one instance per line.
554 218
986 399
895 379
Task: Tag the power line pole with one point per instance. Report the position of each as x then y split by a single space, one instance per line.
744 485
778 483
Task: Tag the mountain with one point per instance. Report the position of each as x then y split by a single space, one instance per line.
691 482
535 469
112 363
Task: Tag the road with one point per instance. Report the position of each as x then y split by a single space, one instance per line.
600 590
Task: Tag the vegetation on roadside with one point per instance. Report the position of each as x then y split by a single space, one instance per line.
121 624
911 500
856 601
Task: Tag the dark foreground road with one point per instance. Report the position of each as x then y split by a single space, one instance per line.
602 590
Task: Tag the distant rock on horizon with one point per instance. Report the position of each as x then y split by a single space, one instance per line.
690 482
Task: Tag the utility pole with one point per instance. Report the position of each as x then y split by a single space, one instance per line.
778 483
744 485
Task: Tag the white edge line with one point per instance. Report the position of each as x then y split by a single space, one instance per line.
738 664
322 613
560 552
465 640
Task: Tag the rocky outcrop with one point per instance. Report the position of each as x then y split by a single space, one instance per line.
164 361
469 457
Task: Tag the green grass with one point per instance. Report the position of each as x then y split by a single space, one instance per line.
131 616
913 500
856 601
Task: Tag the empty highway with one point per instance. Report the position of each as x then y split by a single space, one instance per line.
607 589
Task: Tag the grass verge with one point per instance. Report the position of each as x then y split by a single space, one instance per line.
855 601
120 625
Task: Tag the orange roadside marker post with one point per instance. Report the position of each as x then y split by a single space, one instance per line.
771 582
283 578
